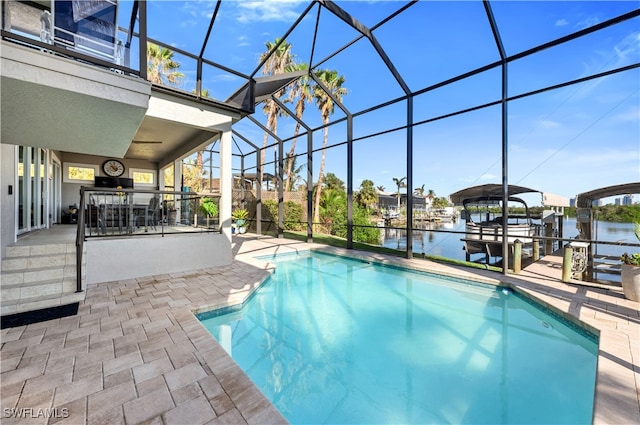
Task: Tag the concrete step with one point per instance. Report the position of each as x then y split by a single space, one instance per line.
37 261
15 292
38 276
34 275
39 302
35 250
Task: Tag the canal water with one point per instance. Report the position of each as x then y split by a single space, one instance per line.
437 239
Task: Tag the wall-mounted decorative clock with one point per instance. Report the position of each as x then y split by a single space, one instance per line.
113 168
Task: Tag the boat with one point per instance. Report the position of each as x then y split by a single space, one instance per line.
483 228
447 214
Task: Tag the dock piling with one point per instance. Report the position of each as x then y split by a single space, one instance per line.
567 263
517 256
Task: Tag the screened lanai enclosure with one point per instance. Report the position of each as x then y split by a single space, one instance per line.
362 118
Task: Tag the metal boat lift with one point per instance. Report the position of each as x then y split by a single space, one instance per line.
486 236
586 227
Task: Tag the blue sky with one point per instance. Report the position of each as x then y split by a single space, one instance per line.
564 141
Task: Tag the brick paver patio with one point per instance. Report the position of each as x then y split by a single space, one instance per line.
135 353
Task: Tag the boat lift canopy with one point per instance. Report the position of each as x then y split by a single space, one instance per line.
495 191
487 190
585 200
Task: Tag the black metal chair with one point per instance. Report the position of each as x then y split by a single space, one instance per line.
148 216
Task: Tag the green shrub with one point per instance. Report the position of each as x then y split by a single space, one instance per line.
293 219
633 259
208 207
338 224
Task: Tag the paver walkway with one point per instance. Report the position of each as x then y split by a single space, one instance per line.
135 353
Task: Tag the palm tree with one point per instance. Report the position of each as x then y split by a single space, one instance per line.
302 90
367 195
431 195
278 60
333 204
162 69
333 83
400 183
420 191
293 173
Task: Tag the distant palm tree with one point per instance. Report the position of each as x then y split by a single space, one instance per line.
162 69
420 191
367 195
301 91
278 60
400 183
333 82
431 195
380 188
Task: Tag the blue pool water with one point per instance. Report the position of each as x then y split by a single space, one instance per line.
334 340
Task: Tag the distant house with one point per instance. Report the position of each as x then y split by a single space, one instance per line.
388 201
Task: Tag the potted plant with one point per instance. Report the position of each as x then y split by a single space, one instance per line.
240 217
631 271
208 208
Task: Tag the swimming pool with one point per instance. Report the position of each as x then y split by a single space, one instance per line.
335 340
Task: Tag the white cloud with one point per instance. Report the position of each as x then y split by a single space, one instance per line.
561 22
628 48
267 10
487 176
226 77
549 124
190 23
588 22
243 41
632 114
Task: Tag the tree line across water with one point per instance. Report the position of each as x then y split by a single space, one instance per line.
611 213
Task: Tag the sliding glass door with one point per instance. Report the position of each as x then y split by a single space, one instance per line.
32 188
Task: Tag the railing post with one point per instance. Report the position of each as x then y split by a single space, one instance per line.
536 249
142 30
567 263
80 241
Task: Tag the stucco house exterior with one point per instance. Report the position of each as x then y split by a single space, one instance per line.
66 110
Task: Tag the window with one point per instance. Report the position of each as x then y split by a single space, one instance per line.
79 173
143 177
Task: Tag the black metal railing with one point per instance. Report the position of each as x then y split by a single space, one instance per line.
135 213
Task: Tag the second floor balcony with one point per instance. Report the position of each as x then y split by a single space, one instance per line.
75 78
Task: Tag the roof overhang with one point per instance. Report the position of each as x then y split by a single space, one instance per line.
585 199
56 103
553 200
176 125
259 89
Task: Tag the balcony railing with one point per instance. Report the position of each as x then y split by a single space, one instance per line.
135 213
110 212
88 32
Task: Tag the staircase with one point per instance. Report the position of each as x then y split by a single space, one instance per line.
39 276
